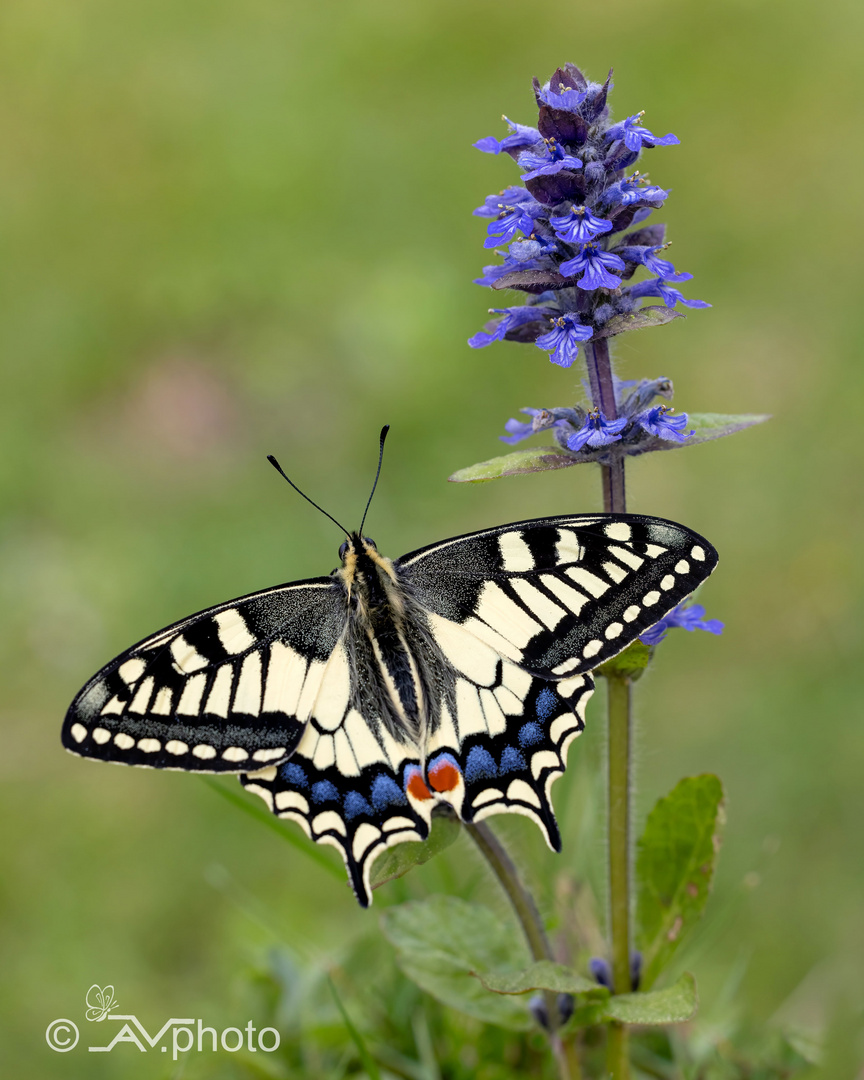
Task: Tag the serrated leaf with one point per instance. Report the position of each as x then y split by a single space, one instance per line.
398 860
671 1006
542 975
637 320
675 860
440 941
534 459
630 663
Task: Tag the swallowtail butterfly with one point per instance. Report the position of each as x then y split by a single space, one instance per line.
355 703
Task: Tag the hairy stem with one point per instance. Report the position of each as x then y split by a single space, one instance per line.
618 689
535 934
615 502
603 396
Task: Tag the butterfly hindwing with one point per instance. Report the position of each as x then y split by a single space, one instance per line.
560 595
512 770
360 809
231 686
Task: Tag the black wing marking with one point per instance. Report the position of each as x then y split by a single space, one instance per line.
229 686
560 595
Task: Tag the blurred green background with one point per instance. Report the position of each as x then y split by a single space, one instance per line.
231 229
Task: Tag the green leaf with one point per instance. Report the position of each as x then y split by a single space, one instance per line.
675 859
671 1006
705 427
638 320
708 426
398 860
542 975
534 459
629 664
290 835
440 941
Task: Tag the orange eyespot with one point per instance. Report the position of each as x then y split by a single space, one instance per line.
417 788
444 777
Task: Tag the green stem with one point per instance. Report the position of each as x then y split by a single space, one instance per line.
599 368
618 689
615 502
535 934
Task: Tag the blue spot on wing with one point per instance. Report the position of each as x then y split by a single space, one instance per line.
480 765
294 775
546 704
355 804
385 792
512 760
530 733
324 791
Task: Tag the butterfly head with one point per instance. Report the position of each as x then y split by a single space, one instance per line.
355 547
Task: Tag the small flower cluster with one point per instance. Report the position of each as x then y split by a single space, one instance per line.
639 427
564 226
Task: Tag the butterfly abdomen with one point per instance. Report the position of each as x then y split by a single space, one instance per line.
377 612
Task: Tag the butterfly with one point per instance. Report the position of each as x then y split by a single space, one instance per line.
100 1001
356 703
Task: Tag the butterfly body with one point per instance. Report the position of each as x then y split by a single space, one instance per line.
356 703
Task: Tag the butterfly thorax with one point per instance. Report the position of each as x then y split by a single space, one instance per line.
376 605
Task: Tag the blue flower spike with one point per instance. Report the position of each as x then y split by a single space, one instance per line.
560 232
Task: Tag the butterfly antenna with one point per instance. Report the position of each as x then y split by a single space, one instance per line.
384 431
282 473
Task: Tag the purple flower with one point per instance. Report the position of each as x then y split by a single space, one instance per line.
601 971
508 198
579 226
522 251
520 135
567 99
563 420
687 618
633 189
669 296
635 137
597 431
514 317
562 340
511 220
594 265
648 257
494 273
659 421
551 159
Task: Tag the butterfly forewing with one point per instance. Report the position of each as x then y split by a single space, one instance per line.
231 686
559 596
